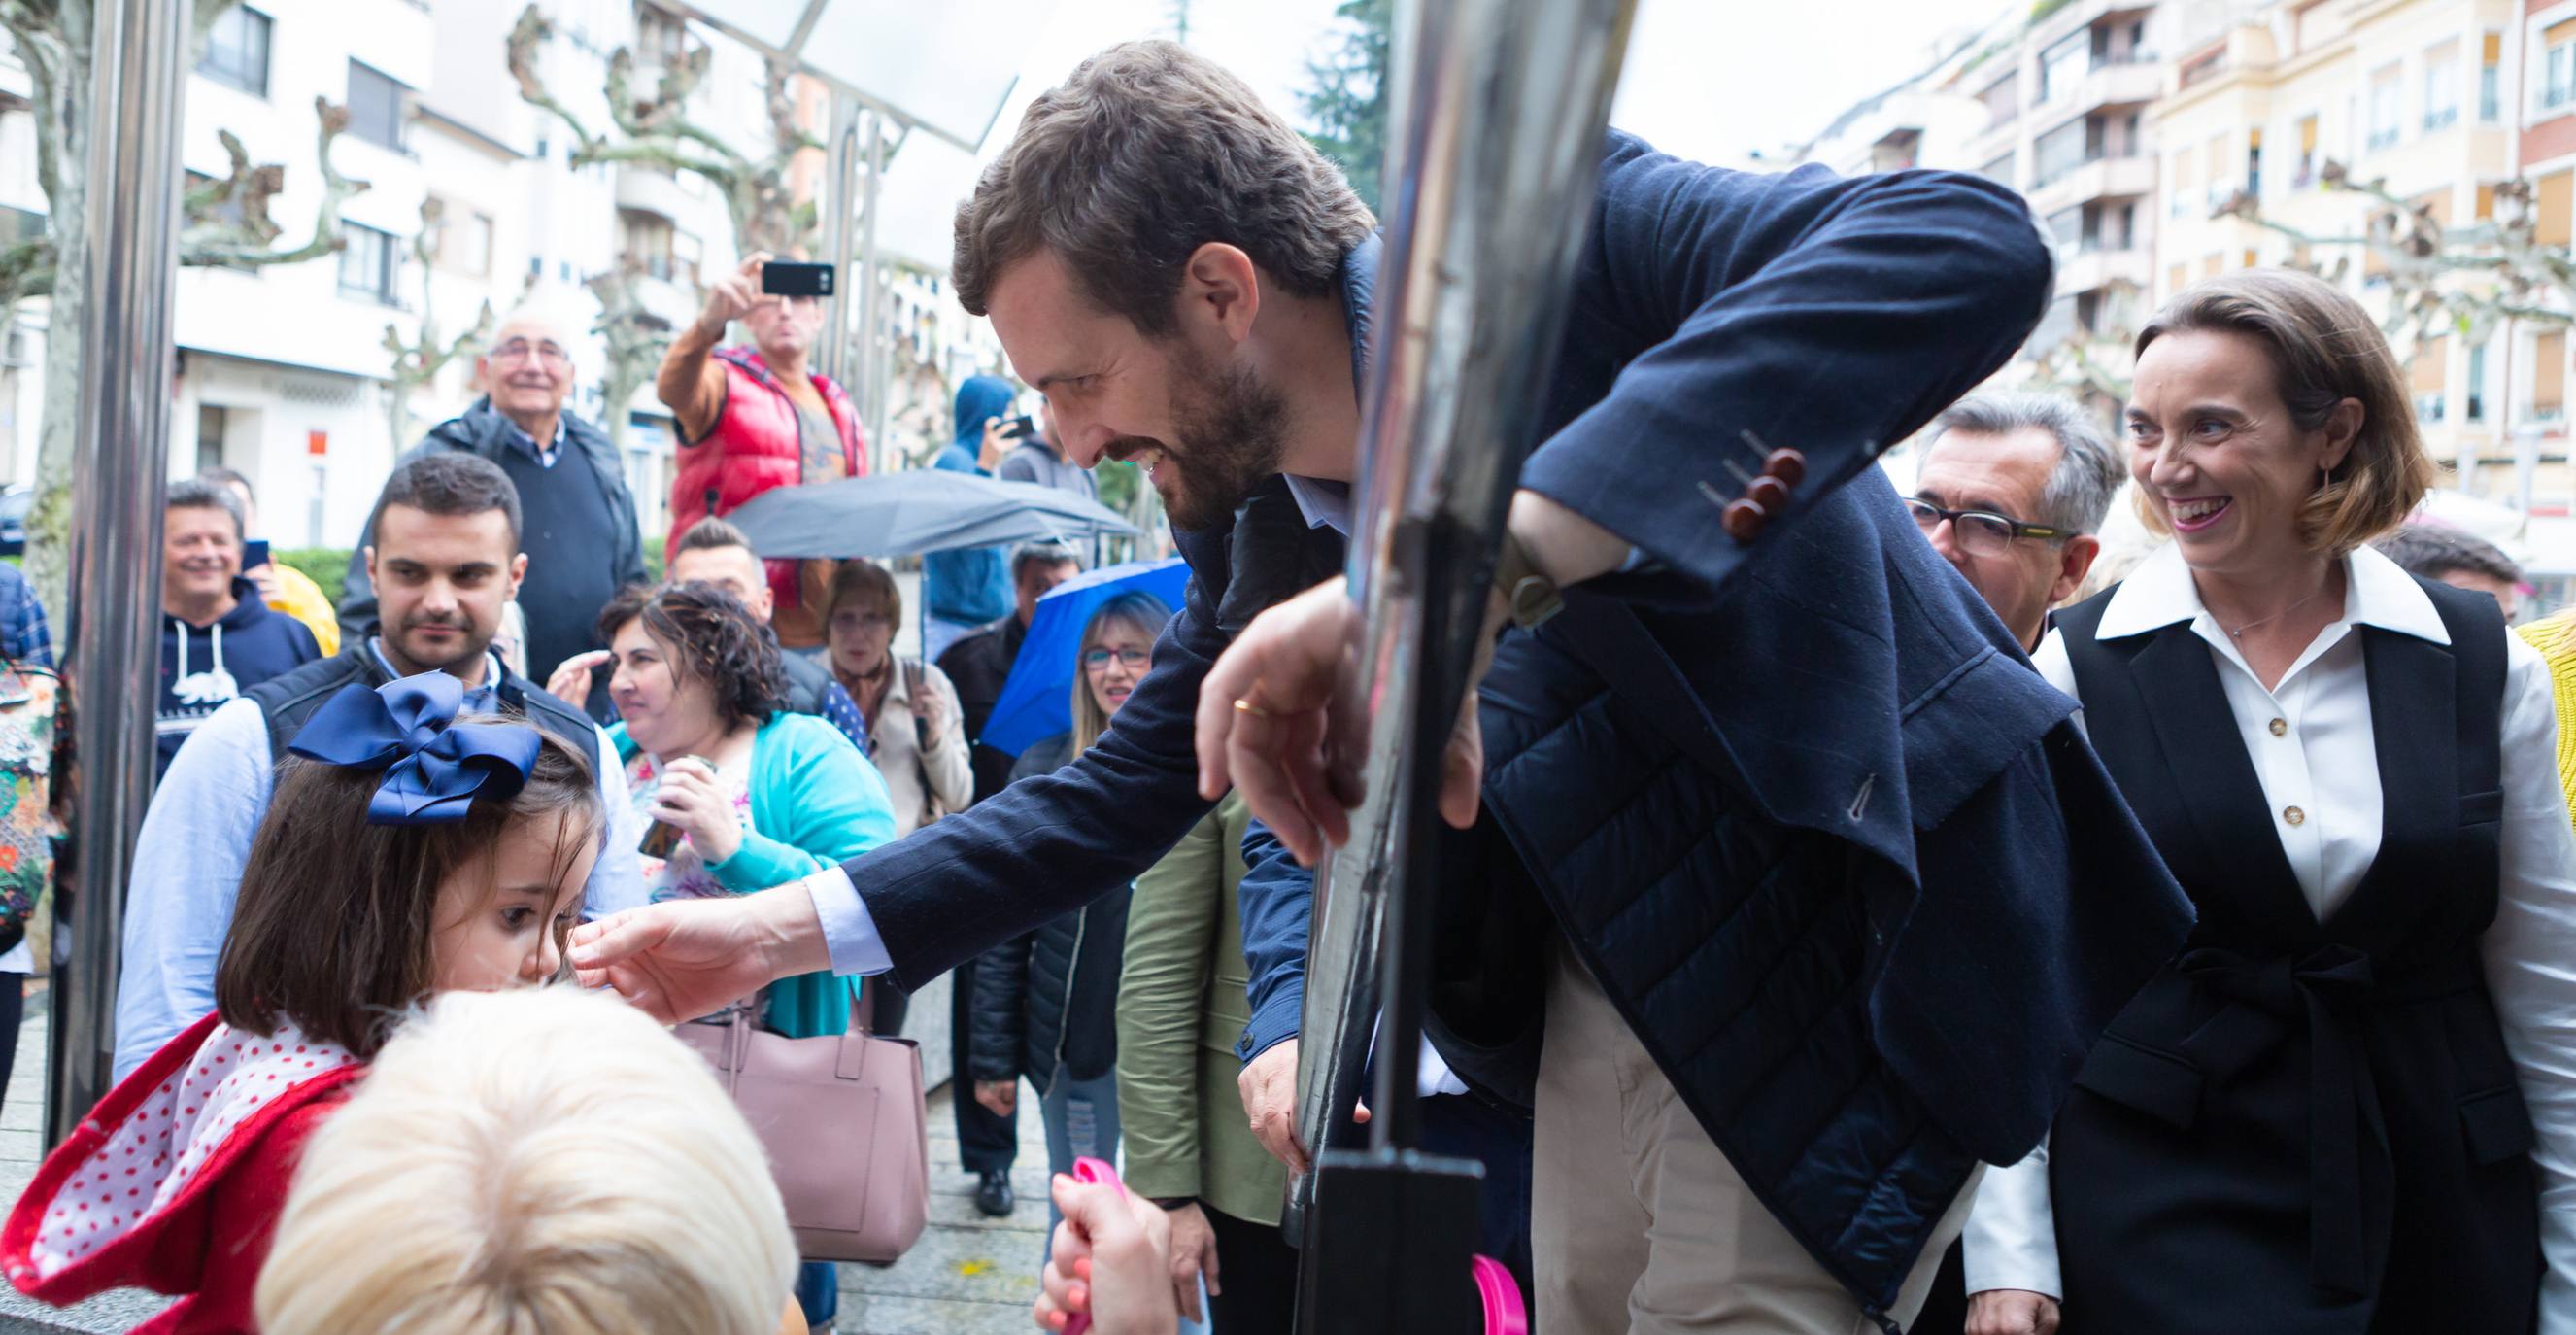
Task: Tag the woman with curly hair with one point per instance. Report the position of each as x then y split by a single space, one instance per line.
742 796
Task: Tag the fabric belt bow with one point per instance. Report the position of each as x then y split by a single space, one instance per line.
2326 987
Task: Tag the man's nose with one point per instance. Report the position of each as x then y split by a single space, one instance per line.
1084 442
1945 540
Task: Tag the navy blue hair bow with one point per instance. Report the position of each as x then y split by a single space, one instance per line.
434 768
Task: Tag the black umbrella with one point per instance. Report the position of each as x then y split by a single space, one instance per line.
926 510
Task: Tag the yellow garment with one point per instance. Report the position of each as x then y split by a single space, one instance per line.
2555 638
299 597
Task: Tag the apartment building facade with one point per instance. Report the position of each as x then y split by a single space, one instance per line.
285 372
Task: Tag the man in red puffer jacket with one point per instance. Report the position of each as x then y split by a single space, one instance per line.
753 418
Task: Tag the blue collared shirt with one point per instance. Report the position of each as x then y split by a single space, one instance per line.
24 636
196 839
546 454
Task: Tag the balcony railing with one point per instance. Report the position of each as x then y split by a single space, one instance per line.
2041 180
2441 119
2380 139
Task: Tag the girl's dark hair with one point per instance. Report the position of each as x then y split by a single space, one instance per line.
711 639
334 925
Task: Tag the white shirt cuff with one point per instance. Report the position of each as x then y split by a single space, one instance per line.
2011 1237
848 931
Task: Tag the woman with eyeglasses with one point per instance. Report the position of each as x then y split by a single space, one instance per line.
1045 1003
911 709
2349 1105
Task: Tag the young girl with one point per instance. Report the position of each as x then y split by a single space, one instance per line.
408 854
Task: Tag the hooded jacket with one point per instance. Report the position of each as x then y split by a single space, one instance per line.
175 1181
1048 999
204 668
969 586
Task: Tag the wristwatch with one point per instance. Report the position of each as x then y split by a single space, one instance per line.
1530 596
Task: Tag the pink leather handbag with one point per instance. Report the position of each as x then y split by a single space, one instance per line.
841 1117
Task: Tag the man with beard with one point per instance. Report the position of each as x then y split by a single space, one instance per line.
445 559
1726 788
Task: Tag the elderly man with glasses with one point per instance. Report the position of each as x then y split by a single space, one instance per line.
579 530
2011 491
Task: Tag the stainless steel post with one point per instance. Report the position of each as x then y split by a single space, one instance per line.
840 183
135 97
872 310
1494 152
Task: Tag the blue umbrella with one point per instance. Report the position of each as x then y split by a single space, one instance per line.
1037 698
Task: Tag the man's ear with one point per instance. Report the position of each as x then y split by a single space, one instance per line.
2073 564
518 572
1220 291
370 550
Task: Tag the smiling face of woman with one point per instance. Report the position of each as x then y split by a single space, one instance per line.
1114 659
2218 457
663 707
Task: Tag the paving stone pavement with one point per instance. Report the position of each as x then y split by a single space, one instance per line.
968 1275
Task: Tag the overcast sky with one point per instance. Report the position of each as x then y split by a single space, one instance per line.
1715 80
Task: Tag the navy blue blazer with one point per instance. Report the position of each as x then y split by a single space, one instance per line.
1830 314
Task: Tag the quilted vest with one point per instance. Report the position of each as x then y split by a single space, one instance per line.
755 447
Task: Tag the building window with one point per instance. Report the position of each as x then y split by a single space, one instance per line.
661 37
237 50
465 243
313 525
2063 65
647 239
2182 176
369 263
2307 174
2478 383
2491 78
2558 87
2058 152
2002 99
2383 107
2442 86
210 436
375 107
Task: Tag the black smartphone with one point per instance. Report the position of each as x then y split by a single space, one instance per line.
1018 427
796 278
254 553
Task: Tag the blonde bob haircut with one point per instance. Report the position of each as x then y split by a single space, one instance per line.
2324 349
535 1160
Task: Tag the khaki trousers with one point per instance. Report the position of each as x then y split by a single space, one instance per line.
1640 1225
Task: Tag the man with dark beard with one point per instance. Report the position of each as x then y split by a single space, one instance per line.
444 560
1824 747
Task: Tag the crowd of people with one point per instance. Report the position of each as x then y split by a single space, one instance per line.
1877 914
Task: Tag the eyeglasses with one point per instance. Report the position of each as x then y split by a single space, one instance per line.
520 349
1979 532
1097 660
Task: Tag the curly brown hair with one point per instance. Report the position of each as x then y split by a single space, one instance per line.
710 638
1145 153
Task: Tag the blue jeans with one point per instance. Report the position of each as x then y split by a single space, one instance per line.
1081 1122
818 1291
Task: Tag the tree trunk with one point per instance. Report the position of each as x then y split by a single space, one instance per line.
64 124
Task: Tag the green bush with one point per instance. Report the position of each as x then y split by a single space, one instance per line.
326 566
653 560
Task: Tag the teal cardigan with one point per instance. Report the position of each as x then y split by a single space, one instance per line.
815 803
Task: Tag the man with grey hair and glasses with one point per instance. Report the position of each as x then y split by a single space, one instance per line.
2010 492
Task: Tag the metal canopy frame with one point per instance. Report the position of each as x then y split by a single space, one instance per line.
867 130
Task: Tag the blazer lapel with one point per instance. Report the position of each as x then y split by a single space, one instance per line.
2215 783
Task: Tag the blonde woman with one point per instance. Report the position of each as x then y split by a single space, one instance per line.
1044 1003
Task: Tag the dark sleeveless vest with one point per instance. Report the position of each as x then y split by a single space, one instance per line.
287 701
2300 1126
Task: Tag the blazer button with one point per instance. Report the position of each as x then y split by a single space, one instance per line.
2280 726
1768 492
1743 519
1786 464
2294 816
